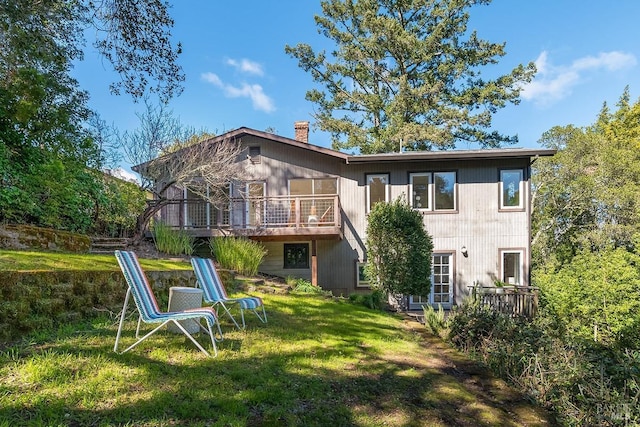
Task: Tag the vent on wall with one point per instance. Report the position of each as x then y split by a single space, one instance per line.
254 154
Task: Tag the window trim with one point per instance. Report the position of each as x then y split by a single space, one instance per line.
429 176
284 258
361 283
521 205
387 188
521 252
432 191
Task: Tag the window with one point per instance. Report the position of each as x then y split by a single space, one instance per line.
419 184
312 186
512 266
254 154
296 255
511 189
377 189
362 280
444 190
433 191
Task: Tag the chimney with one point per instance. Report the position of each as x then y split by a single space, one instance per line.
302 131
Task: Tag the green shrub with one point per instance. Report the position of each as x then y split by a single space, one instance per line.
241 255
305 286
373 300
172 242
435 319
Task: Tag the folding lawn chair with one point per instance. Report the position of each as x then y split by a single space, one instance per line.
214 292
148 306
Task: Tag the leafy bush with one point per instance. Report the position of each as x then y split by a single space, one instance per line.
306 287
398 250
435 319
585 383
241 255
172 242
373 300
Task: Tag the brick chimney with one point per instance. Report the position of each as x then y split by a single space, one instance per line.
302 131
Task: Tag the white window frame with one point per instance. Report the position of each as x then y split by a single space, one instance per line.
520 205
521 254
368 178
429 190
455 191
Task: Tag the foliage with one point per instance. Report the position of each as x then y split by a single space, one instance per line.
587 196
586 384
306 287
51 147
398 250
172 241
436 320
118 208
595 295
406 73
241 255
373 300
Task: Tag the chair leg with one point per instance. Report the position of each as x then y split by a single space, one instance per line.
124 312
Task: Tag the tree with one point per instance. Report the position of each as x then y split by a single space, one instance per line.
171 155
406 74
587 196
398 250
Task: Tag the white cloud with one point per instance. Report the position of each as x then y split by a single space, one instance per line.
212 78
246 66
553 83
255 92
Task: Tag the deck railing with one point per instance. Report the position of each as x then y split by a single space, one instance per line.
253 212
511 300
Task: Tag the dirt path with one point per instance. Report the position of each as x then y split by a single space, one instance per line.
468 394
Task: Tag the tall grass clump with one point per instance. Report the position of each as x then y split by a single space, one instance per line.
436 320
172 242
241 255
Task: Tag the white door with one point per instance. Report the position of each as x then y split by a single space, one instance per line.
441 284
441 280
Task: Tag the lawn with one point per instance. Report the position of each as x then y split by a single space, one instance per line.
319 361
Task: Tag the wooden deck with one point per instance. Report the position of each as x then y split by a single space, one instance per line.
511 300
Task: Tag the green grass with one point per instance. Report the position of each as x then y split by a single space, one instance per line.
44 261
317 362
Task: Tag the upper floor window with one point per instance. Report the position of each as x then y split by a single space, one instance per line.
511 189
419 185
377 189
433 191
444 190
312 186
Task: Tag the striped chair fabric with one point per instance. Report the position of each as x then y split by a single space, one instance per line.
215 293
148 309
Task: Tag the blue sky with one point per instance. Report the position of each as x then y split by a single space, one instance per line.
237 73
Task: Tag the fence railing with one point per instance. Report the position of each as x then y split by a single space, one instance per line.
253 212
510 300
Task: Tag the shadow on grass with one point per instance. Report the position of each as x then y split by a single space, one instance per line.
317 362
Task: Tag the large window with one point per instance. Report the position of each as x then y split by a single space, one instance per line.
511 189
377 189
433 191
296 255
313 186
512 266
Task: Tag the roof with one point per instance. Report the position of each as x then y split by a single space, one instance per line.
496 153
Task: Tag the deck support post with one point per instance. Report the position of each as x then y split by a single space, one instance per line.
314 262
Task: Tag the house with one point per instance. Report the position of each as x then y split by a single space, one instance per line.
308 206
